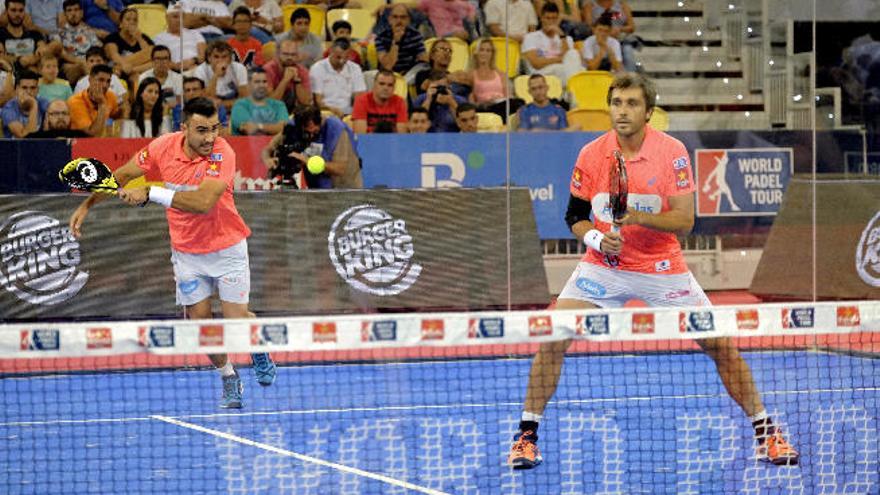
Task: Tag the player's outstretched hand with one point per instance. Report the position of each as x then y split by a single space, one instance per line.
136 196
612 243
76 220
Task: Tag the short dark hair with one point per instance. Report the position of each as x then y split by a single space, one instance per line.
549 8
628 80
385 72
96 50
218 45
437 74
70 3
255 70
199 106
340 24
419 110
26 74
159 48
306 113
190 79
341 43
14 1
536 76
242 10
300 13
606 19
101 69
465 107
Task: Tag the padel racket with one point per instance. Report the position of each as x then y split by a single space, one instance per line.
618 191
89 174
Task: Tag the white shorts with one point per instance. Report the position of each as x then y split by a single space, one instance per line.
227 271
609 288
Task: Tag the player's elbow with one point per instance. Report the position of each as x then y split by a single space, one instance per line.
686 226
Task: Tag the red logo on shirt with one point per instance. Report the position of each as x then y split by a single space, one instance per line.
213 170
576 178
142 157
681 180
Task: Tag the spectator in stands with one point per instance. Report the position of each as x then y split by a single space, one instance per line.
193 87
491 87
380 109
103 15
419 122
542 114
439 58
342 30
569 19
46 15
208 17
246 50
336 80
451 17
258 114
601 51
440 103
400 48
512 18
51 87
193 42
24 46
337 146
56 124
623 27
310 45
288 78
90 109
466 117
266 17
23 114
547 52
224 79
95 56
76 37
129 49
172 82
7 79
147 116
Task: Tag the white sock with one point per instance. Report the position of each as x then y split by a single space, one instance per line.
760 416
527 416
226 370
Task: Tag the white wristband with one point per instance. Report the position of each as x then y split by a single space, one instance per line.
161 195
593 238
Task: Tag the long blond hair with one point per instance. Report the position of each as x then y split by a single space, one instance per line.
473 62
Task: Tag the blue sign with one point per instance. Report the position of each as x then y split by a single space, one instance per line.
742 182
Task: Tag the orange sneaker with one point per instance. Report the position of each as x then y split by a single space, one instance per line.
524 453
776 450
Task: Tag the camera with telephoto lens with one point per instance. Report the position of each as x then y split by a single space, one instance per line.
288 166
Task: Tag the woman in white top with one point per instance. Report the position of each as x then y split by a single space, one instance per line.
147 115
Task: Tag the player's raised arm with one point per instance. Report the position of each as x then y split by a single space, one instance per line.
123 175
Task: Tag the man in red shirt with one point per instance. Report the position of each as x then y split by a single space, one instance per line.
647 261
246 49
288 78
380 110
208 236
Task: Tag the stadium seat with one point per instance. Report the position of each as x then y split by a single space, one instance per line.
500 60
269 51
590 89
317 14
371 57
590 120
489 122
347 120
361 21
521 87
659 119
151 18
401 88
369 5
460 55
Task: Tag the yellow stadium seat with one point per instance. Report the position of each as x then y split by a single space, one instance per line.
151 18
659 119
590 120
590 89
460 55
521 87
500 57
361 21
489 122
371 58
269 51
369 5
347 120
400 87
316 13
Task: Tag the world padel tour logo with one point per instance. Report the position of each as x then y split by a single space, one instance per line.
742 182
39 259
156 336
868 253
591 325
798 317
269 334
696 321
373 251
40 340
377 331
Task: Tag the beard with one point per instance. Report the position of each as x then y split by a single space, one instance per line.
260 94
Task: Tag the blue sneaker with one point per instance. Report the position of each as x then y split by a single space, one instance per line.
232 389
264 368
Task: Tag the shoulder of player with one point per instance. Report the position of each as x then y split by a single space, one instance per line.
667 144
221 145
598 145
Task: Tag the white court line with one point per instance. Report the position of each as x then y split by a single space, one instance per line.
421 407
301 457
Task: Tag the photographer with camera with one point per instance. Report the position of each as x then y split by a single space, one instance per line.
440 103
309 134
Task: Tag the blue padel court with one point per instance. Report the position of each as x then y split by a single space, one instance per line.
623 424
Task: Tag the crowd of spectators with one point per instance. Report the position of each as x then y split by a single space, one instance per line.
84 67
